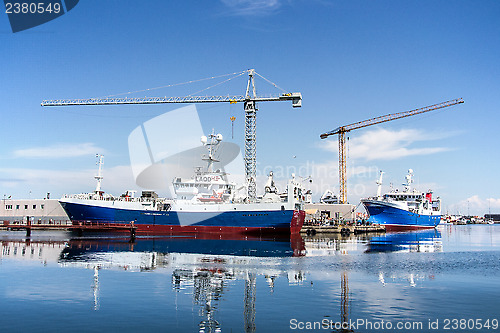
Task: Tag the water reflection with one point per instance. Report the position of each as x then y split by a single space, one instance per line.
205 266
95 288
428 240
202 267
28 250
208 288
335 244
362 276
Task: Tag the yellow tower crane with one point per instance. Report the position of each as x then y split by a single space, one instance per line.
342 130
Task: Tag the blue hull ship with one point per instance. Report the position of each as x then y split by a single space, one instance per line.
236 218
407 209
206 202
386 214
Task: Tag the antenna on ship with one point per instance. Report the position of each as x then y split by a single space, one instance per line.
212 148
99 177
409 180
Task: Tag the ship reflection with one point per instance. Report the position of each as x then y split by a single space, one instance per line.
205 269
202 268
95 249
428 240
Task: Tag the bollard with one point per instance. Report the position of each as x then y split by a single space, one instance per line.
132 234
132 231
28 227
345 231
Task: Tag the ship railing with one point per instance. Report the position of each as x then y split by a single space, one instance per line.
91 196
88 196
37 222
103 223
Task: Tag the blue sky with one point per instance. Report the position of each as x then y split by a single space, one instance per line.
351 60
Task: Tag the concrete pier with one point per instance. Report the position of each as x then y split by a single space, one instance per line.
78 228
341 229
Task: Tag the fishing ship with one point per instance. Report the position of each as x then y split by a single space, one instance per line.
406 209
206 202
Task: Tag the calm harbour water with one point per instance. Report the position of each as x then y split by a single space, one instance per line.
444 280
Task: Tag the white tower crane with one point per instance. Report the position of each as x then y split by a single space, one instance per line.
249 99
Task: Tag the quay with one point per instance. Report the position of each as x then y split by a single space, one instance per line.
309 230
345 229
79 227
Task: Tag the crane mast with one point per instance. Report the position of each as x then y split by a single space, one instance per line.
250 100
342 130
250 137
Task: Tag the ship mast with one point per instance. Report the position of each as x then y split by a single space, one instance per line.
212 148
99 177
409 180
379 187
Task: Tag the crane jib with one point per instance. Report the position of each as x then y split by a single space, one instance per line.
296 99
342 130
391 116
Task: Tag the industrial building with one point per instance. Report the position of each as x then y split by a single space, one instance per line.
37 211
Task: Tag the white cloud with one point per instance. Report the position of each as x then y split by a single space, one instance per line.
20 182
383 144
495 203
475 205
59 151
252 7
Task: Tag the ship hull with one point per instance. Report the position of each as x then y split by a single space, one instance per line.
235 221
395 218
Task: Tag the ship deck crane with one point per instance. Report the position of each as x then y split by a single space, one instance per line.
342 130
249 99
